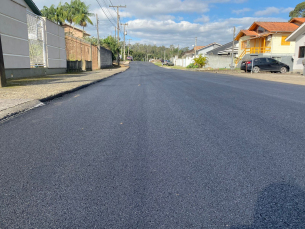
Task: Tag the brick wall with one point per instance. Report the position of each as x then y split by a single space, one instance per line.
77 49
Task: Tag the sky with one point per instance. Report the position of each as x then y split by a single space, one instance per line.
178 22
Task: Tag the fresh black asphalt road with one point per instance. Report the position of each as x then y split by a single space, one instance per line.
158 148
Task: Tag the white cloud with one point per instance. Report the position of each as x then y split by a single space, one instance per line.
241 11
165 17
273 10
268 11
183 33
203 19
287 10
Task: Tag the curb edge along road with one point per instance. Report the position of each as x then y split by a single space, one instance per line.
24 107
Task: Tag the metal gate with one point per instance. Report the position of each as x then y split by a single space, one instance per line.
36 34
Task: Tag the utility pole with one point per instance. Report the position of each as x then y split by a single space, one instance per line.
195 46
2 69
232 62
115 32
164 54
124 38
118 26
98 45
129 45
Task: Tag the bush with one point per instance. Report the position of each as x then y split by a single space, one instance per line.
192 65
201 61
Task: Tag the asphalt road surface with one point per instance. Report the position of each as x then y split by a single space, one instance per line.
158 148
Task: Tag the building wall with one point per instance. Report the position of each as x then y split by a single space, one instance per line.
106 58
14 34
77 49
240 41
216 62
277 47
297 62
94 57
56 45
15 43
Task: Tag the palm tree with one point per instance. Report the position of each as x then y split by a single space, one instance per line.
82 14
57 15
49 13
61 14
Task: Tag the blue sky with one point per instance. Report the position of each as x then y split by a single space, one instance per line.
167 22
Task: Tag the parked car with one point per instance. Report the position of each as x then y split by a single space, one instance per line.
168 63
130 58
264 64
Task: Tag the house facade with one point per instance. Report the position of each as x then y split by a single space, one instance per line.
268 39
299 53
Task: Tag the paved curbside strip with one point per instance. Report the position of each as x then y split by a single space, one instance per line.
29 104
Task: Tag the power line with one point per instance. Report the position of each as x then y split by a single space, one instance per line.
109 12
105 13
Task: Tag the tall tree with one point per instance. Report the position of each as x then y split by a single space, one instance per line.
82 15
299 11
55 14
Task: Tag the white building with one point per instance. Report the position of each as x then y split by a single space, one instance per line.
299 54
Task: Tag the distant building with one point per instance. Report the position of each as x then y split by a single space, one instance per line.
76 32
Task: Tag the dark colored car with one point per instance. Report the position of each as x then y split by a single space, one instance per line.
264 64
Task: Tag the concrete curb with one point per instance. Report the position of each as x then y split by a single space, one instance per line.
21 108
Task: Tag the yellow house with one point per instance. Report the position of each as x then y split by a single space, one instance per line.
268 39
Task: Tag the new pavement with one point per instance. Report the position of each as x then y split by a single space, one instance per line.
158 148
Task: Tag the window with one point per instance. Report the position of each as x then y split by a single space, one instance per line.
272 61
284 42
302 52
260 30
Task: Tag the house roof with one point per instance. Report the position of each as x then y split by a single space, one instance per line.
275 26
219 49
199 47
300 20
247 33
75 28
33 7
298 32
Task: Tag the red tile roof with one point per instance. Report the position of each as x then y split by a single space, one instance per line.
275 26
247 33
297 19
199 47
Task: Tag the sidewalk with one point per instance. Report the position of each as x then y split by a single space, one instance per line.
27 93
290 78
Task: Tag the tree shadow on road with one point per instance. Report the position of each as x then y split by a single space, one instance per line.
279 206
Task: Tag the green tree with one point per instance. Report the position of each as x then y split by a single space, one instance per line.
201 60
299 11
111 43
49 12
82 14
55 14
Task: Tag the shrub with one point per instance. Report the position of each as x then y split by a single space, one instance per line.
201 61
192 65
